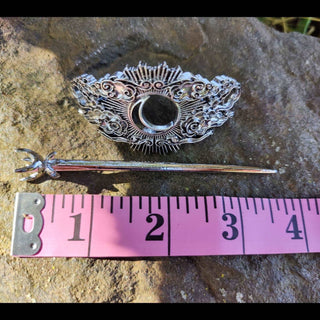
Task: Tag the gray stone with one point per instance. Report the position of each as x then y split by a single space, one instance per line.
276 125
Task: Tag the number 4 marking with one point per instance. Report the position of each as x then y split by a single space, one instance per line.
293 228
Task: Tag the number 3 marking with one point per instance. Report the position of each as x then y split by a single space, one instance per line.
235 232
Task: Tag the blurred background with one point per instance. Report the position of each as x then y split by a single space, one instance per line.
305 25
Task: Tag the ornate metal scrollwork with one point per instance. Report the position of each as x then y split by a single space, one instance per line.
156 108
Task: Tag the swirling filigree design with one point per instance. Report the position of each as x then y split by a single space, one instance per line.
191 105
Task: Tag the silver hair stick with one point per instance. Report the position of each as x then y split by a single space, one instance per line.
39 166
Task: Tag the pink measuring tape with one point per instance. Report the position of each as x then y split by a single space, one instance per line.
63 225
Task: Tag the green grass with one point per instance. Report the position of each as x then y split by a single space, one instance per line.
305 25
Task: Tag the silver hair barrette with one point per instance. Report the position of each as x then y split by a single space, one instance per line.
156 108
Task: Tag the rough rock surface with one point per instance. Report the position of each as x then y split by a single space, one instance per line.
276 125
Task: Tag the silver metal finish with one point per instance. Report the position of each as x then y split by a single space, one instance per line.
27 206
190 106
49 165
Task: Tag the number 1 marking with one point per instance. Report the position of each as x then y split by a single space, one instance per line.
76 229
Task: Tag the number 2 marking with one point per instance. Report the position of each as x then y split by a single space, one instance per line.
159 223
